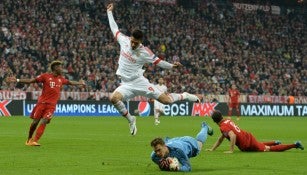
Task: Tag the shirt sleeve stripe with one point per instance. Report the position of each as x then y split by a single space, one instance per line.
157 61
116 35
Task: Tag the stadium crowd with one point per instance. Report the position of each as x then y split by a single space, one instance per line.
260 52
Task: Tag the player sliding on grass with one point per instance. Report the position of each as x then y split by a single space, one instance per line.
245 141
182 148
133 56
46 104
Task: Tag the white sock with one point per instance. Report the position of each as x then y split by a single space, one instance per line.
120 106
156 116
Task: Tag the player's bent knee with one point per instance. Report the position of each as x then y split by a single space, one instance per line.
166 101
115 97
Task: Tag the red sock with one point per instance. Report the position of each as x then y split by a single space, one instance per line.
39 132
278 148
229 113
31 130
271 143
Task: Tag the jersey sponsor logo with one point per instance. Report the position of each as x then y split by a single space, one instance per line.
128 56
144 108
52 84
3 109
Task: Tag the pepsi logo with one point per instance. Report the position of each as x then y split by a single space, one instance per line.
144 108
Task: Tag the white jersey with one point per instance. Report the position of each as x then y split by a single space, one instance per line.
130 61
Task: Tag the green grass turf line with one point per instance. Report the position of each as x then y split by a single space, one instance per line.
103 145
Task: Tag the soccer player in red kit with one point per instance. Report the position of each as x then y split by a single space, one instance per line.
244 140
46 104
234 95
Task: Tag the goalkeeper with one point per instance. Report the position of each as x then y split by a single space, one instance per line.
182 148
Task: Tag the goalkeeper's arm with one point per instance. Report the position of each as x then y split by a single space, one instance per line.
185 164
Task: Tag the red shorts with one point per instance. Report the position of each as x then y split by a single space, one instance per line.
43 110
233 105
253 145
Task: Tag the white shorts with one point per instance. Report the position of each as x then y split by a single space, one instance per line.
158 106
138 87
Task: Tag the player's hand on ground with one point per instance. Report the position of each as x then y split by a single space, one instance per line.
10 79
110 7
177 64
228 152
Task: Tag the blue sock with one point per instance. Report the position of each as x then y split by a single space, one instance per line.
202 135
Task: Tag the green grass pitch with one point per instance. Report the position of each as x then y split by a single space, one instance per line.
103 145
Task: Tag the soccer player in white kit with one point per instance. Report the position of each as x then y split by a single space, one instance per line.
159 107
133 56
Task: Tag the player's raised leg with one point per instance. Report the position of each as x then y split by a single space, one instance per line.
202 135
173 97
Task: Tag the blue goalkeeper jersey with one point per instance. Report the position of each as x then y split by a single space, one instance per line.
182 148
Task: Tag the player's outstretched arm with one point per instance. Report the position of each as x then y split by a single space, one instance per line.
167 65
177 64
112 23
81 82
25 81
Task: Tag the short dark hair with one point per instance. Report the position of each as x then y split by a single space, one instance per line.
137 34
54 63
157 141
217 116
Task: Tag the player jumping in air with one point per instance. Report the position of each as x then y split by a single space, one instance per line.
133 56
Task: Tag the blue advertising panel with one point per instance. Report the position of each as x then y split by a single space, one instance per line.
250 109
144 109
78 108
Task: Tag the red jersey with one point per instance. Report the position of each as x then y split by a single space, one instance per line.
234 95
243 139
52 86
